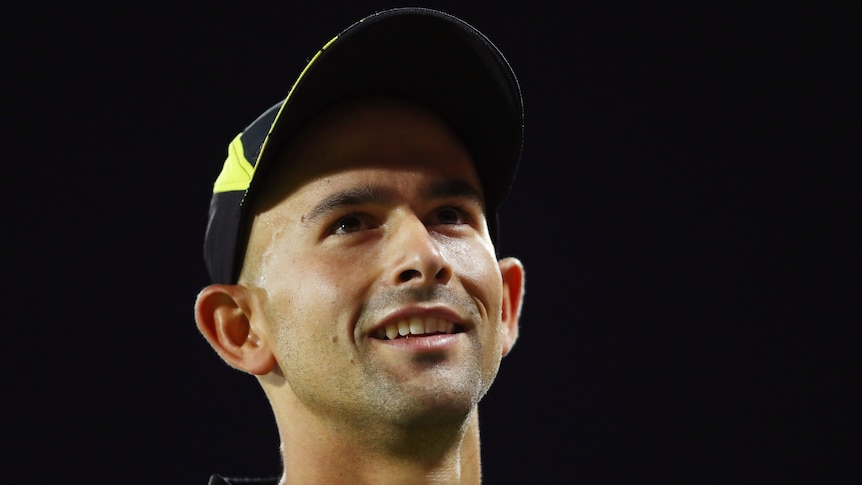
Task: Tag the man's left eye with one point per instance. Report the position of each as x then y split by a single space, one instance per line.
450 215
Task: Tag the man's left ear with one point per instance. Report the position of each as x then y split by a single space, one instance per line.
512 272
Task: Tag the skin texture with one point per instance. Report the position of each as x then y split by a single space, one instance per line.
374 215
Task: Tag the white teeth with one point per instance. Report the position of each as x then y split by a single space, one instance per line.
416 326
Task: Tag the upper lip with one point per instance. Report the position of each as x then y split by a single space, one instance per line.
421 311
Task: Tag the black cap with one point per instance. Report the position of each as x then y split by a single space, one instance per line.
422 55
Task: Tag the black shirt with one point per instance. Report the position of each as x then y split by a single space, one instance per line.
220 480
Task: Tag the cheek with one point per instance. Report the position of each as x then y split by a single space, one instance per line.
306 308
476 267
343 273
320 290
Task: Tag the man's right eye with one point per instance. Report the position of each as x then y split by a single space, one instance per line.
351 223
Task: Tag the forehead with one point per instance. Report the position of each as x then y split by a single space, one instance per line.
370 136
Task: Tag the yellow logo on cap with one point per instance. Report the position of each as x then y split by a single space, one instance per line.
236 172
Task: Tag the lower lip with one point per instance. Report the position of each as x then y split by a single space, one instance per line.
428 343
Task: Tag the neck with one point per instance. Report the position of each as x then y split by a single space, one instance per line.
335 456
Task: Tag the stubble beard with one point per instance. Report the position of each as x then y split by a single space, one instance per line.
378 402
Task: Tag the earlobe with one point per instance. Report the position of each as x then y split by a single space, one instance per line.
512 272
223 314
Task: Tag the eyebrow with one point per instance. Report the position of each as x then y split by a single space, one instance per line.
453 188
362 194
373 194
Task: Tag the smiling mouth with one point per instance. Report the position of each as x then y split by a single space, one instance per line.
417 327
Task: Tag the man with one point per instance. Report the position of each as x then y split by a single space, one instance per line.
351 246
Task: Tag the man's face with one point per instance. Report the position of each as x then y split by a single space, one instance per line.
377 282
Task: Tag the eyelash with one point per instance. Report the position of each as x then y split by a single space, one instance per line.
336 227
464 216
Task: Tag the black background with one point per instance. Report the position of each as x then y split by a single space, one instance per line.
685 209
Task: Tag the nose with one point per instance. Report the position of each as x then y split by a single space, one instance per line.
417 258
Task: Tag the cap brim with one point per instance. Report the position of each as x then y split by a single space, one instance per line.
428 57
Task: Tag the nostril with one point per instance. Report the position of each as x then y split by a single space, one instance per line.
409 274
